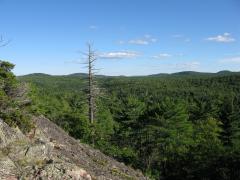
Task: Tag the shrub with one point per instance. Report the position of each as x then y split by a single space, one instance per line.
10 110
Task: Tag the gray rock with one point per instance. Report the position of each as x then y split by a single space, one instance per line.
50 153
8 169
8 134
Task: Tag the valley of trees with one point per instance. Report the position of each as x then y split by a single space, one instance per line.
180 126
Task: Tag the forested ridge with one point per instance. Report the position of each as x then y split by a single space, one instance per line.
33 147
180 126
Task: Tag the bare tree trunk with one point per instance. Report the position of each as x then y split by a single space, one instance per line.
90 84
92 90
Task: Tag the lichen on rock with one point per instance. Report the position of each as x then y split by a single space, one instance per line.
47 152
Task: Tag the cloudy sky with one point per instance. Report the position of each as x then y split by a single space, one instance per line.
131 37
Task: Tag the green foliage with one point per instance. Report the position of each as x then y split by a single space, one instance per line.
207 133
166 137
181 126
174 131
104 123
9 102
235 129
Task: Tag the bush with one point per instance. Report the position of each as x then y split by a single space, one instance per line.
10 110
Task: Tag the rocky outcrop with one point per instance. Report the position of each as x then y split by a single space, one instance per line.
49 153
8 135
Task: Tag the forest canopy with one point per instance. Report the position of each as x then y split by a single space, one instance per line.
180 126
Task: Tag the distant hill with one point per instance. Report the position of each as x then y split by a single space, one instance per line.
182 73
160 74
195 73
69 75
36 74
78 74
191 73
226 72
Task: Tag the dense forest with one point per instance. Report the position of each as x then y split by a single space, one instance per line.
180 126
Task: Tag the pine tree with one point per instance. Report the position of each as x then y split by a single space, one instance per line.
168 134
235 129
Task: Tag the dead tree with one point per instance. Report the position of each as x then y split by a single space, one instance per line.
94 92
92 87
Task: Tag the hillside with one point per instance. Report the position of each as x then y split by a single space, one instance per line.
48 152
180 126
120 90
183 73
33 147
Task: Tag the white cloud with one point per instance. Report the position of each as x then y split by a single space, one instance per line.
232 60
177 36
153 40
138 42
121 42
162 56
224 38
119 55
148 36
180 54
146 40
166 55
93 27
188 65
187 40
181 37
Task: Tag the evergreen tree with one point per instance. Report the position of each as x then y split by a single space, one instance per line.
10 102
170 132
235 129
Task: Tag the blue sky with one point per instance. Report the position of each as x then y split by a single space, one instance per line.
132 37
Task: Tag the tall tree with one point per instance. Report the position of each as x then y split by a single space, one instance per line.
235 129
168 135
92 89
91 98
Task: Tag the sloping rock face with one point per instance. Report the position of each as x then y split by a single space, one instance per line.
49 153
8 135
